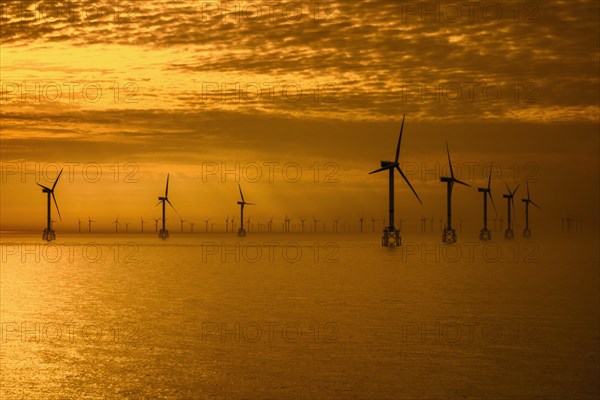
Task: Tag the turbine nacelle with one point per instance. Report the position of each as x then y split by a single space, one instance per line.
388 164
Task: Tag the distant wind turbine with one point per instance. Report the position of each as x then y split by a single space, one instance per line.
164 233
510 200
449 234
243 203
335 224
527 201
485 233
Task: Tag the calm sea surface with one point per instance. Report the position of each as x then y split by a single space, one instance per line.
298 316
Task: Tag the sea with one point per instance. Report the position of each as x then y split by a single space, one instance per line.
299 316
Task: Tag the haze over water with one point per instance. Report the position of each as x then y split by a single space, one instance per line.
306 316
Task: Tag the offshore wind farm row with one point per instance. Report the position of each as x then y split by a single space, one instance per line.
391 233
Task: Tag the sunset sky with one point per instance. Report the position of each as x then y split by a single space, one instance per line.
198 89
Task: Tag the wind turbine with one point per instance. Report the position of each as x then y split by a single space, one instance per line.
117 223
89 224
49 233
510 200
391 235
79 223
373 220
206 225
126 227
156 224
527 231
484 233
449 234
285 224
164 233
227 224
335 224
243 203
315 221
182 221
143 222
191 227
361 224
302 220
270 224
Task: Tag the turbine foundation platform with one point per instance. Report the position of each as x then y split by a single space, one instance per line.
449 236
163 234
485 234
527 233
241 232
391 237
509 234
48 235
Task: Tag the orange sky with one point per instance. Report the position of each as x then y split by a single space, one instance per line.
193 88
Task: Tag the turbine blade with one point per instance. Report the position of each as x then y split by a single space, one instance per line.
535 204
167 188
250 204
173 208
400 139
411 188
241 194
507 188
517 188
43 186
57 178
449 161
56 204
461 182
158 203
379 170
490 178
528 198
494 205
